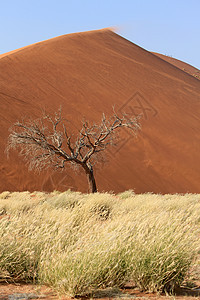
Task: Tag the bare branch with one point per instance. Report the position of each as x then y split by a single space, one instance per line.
45 142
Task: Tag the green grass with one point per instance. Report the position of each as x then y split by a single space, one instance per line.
79 243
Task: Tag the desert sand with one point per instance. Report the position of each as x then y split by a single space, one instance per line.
87 73
18 290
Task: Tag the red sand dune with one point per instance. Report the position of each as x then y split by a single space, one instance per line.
87 73
181 65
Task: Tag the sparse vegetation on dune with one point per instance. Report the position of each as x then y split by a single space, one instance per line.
78 243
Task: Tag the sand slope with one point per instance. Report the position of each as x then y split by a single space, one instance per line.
87 73
180 64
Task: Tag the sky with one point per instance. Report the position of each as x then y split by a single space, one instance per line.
170 27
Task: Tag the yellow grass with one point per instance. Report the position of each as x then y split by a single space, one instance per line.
78 243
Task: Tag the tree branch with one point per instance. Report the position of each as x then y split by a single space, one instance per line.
42 145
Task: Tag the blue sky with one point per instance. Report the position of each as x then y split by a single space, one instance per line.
170 27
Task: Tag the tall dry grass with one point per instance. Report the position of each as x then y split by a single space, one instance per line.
78 243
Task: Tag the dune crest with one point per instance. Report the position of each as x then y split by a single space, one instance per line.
181 65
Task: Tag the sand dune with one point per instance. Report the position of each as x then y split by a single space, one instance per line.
87 73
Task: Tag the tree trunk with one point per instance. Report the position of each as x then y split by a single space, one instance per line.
91 179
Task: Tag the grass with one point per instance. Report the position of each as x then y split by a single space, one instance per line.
79 243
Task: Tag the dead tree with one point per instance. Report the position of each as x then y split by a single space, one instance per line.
46 142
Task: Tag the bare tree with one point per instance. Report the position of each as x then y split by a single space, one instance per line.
46 142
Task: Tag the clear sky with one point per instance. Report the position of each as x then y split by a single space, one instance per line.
170 27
